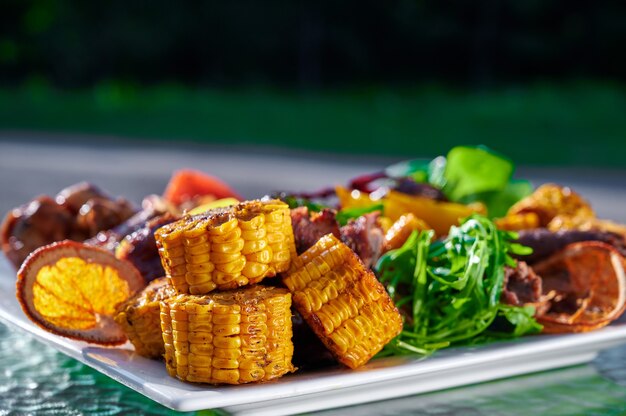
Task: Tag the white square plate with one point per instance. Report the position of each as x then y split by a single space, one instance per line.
335 387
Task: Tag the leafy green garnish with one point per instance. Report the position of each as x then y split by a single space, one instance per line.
469 174
475 170
346 214
295 202
451 288
521 318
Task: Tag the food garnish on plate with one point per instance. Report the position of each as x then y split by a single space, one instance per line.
420 256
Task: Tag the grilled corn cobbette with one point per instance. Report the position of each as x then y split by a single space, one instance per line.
343 302
231 337
139 317
227 248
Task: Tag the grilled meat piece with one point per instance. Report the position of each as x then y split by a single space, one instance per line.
309 227
365 237
139 247
522 286
545 242
77 213
151 208
75 196
102 214
38 223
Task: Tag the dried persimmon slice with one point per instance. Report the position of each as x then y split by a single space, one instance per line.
588 285
72 289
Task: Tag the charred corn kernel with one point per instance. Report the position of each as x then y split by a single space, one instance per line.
342 301
227 247
398 233
232 337
139 318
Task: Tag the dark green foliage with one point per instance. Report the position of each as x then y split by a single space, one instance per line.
450 289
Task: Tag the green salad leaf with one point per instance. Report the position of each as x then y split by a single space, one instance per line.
475 170
469 174
450 289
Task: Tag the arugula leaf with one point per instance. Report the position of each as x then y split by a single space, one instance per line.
521 318
450 289
346 214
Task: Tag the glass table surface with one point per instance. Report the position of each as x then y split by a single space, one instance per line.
36 379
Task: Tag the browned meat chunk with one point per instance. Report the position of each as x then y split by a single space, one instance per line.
152 207
363 234
522 286
33 225
140 248
77 213
545 242
75 196
365 237
310 227
102 214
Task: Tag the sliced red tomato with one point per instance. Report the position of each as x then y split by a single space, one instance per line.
187 184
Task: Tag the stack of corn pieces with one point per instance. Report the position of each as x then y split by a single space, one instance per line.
214 324
214 332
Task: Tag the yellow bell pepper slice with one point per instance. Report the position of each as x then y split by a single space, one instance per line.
353 198
437 214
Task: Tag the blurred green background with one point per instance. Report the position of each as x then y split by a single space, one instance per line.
544 82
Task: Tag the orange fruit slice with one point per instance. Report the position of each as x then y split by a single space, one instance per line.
72 289
588 285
